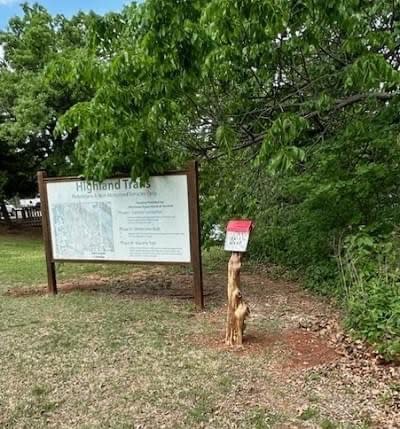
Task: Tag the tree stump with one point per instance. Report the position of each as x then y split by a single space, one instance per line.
238 310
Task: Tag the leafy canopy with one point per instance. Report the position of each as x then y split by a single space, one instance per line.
177 79
31 100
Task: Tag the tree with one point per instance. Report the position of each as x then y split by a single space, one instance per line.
31 100
298 98
277 82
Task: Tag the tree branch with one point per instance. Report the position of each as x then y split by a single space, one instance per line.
344 102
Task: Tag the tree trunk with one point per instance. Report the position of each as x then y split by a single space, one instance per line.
238 310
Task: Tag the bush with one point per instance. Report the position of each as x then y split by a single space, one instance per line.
371 280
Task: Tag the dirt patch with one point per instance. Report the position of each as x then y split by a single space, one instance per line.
149 283
295 349
252 343
89 285
306 350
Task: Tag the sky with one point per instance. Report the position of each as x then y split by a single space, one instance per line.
10 8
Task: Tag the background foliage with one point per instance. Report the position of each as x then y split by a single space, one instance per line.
292 107
31 101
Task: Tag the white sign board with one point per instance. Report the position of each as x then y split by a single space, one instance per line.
236 241
120 220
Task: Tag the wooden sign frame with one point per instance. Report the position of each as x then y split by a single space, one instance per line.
191 172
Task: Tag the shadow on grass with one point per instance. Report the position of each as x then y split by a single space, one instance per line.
177 286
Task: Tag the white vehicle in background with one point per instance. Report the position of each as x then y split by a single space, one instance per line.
217 233
30 202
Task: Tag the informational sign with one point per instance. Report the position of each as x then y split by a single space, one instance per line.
237 235
120 219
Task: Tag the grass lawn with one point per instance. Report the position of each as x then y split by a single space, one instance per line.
103 360
23 263
87 361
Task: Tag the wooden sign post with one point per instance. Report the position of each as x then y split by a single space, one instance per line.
50 265
236 240
123 221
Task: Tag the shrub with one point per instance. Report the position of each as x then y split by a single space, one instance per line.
371 279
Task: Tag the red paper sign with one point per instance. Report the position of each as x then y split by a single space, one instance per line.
239 225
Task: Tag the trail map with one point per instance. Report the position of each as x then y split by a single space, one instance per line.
83 228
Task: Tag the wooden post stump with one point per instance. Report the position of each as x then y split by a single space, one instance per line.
238 310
